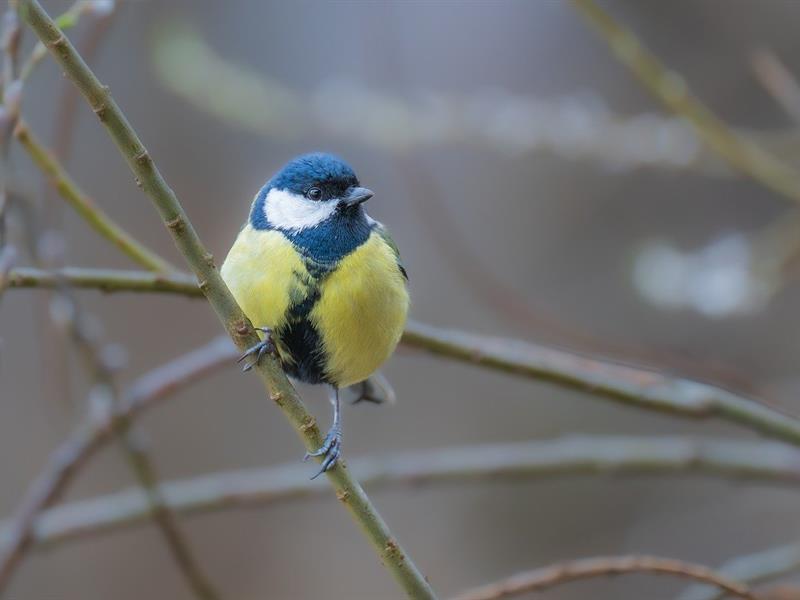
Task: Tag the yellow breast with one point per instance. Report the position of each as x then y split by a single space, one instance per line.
361 312
261 271
359 315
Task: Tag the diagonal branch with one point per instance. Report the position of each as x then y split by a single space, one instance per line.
560 573
162 514
633 386
68 459
103 399
230 314
741 153
84 206
560 457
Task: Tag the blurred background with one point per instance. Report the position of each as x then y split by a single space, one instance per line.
535 190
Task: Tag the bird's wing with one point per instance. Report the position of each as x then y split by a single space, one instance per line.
384 233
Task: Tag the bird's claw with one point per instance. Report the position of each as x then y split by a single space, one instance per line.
331 449
261 349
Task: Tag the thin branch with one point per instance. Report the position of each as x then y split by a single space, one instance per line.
628 385
107 280
84 206
751 568
10 97
634 386
67 460
103 399
778 80
516 123
560 457
669 87
159 511
560 573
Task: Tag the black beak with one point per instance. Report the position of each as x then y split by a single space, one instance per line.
357 195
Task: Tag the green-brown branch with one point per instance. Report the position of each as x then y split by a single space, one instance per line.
217 293
84 206
106 280
671 89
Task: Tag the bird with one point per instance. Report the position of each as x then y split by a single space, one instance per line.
322 280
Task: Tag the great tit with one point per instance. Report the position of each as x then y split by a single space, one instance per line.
321 279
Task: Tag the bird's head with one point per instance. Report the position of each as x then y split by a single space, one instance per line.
308 191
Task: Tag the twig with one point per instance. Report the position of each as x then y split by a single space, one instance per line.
51 344
158 509
741 153
244 98
220 298
102 363
778 81
83 205
560 457
621 383
643 388
557 574
107 280
10 97
8 256
68 458
751 568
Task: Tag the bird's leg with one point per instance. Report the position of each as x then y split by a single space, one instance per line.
332 445
265 346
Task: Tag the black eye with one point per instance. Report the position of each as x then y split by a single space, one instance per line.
314 194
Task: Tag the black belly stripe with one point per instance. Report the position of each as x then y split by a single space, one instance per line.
298 337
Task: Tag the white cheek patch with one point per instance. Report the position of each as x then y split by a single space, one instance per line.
286 210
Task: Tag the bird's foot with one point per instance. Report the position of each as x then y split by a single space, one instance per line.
331 449
259 350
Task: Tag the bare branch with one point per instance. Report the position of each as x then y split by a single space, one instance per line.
514 123
83 205
777 80
107 280
561 457
741 153
66 461
629 385
159 511
560 573
751 568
